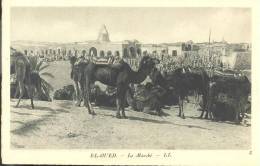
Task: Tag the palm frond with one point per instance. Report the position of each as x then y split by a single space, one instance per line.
41 68
47 85
47 74
33 61
38 66
46 91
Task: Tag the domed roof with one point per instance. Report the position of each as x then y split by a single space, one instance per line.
103 35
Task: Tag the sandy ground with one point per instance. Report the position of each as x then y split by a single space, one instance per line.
59 124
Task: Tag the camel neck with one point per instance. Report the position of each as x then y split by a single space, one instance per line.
139 76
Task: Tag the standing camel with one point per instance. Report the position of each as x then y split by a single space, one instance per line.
25 77
116 75
77 68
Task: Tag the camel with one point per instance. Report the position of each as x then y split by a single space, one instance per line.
77 75
77 70
117 75
25 77
236 89
183 81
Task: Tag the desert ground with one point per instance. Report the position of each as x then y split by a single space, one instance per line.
61 125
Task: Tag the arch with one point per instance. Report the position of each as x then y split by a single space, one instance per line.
154 52
145 53
59 51
117 53
109 53
69 52
31 53
163 51
64 52
102 53
174 52
132 52
25 52
125 53
76 52
139 51
84 52
189 47
93 51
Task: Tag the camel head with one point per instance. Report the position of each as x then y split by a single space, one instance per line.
148 63
73 60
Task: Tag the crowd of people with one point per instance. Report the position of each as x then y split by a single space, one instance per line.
168 63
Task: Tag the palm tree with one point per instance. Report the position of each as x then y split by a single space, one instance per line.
37 67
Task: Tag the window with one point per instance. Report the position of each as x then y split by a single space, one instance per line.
102 54
174 52
109 53
125 53
84 52
183 47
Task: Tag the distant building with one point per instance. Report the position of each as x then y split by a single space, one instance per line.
102 46
154 49
103 35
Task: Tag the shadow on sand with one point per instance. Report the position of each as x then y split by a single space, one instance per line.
217 121
66 104
134 118
33 125
35 108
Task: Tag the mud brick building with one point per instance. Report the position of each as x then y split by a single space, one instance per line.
103 47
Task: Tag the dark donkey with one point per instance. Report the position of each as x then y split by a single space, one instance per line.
184 81
116 75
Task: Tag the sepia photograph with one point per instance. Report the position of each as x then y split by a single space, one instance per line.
128 78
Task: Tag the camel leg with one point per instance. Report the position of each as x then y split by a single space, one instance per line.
179 103
21 88
204 106
237 112
118 105
209 108
121 94
81 92
202 113
76 87
86 99
158 110
181 113
16 91
123 103
30 94
123 113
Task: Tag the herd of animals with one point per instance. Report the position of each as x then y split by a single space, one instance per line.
175 86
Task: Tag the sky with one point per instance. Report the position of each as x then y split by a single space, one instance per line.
147 25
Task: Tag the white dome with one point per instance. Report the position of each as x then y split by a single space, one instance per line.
103 35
